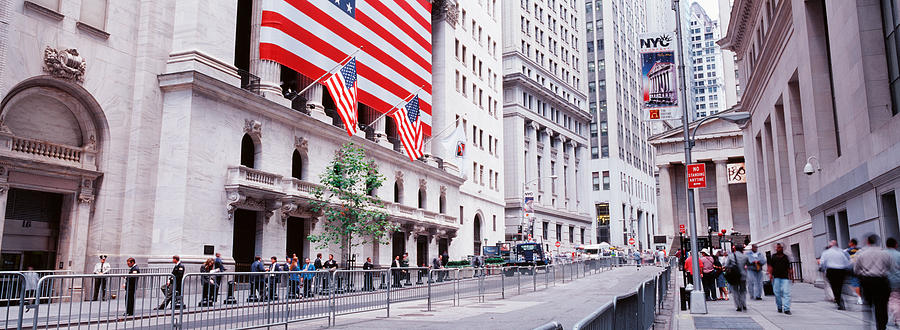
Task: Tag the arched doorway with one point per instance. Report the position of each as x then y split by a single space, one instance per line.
54 133
477 235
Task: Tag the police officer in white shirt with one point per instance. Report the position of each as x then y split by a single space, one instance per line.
101 268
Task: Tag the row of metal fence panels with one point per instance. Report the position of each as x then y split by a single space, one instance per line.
229 300
634 310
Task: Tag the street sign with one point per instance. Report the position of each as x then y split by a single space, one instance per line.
631 241
557 244
681 228
696 174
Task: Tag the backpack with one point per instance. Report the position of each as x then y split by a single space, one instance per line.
732 272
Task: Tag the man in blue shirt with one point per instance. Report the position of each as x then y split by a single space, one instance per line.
755 265
258 281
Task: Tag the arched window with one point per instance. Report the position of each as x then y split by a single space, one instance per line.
398 192
297 166
248 152
477 235
422 202
442 204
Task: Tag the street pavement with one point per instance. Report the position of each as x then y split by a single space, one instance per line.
809 310
566 303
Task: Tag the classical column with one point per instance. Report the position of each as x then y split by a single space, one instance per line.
531 168
723 195
80 223
667 216
4 193
269 72
313 97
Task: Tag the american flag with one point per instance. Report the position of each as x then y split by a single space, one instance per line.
313 36
342 86
409 128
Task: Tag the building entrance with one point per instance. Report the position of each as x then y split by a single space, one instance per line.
244 240
398 244
31 230
296 236
422 251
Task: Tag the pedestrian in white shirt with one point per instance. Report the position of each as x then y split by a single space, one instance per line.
101 268
835 262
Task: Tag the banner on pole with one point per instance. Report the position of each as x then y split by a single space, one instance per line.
659 77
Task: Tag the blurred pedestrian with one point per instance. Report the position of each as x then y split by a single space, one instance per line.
131 286
257 282
708 276
294 279
835 262
404 263
101 268
31 283
273 277
719 263
872 267
781 274
308 274
330 266
737 263
689 267
755 264
851 250
436 268
396 272
220 265
894 279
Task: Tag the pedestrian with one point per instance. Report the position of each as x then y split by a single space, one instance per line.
781 275
436 267
835 262
208 282
330 266
445 258
475 265
318 279
294 279
661 257
708 277
31 282
637 258
308 275
220 265
131 286
755 264
404 263
257 282
689 267
894 280
172 289
736 274
396 272
367 282
721 283
852 280
272 278
872 267
101 268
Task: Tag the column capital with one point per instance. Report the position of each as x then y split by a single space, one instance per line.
720 160
664 166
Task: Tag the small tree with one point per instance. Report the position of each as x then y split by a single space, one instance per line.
351 216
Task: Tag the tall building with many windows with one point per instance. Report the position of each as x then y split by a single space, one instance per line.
545 121
708 79
621 160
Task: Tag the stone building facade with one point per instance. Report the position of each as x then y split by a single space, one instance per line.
820 81
148 129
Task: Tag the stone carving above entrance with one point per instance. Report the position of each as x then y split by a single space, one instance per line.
64 63
301 144
253 127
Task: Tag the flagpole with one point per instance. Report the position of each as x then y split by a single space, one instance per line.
445 130
397 106
327 73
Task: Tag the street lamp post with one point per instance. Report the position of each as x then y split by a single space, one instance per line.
698 301
525 188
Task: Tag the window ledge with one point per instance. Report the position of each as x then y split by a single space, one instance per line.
92 30
53 14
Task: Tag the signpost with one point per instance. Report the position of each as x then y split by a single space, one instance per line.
696 174
557 244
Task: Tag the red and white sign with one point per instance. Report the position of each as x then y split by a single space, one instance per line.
681 228
696 174
631 241
557 244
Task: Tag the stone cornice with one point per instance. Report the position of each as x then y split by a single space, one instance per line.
244 99
547 124
740 26
518 78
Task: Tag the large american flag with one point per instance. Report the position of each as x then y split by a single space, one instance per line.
312 36
409 128
342 86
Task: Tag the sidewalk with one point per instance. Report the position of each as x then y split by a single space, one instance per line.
566 303
809 310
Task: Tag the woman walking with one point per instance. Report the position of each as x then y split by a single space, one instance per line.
294 282
209 283
721 283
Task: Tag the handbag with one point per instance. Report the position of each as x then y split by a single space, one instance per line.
732 272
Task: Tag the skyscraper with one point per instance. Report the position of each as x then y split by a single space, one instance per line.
708 79
623 189
545 121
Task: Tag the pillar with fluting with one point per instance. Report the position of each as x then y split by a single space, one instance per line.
668 220
268 72
4 193
723 195
313 96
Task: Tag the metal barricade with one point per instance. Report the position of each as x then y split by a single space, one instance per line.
126 301
143 268
406 286
468 282
626 311
553 325
604 318
16 291
359 291
541 276
492 282
442 285
648 303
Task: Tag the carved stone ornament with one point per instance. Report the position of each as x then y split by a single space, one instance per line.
399 177
286 209
64 64
86 195
423 183
446 9
253 127
443 190
85 198
3 189
301 144
234 198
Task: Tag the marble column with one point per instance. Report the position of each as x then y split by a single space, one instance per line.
380 133
274 230
4 193
313 97
668 219
80 220
723 195
269 72
531 161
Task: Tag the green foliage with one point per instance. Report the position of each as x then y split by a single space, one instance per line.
458 263
494 260
350 217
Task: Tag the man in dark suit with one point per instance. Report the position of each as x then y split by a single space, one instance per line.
178 272
257 290
367 284
436 269
318 279
130 287
405 264
220 265
274 277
